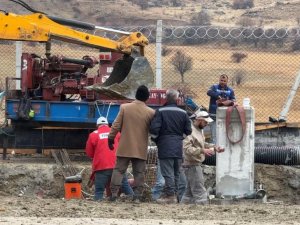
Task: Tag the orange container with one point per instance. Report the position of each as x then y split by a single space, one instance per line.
73 190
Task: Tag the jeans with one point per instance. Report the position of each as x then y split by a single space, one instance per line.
160 183
174 178
126 188
103 177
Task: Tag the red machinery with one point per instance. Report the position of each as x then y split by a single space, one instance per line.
55 77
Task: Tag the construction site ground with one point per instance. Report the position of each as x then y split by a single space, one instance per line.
32 192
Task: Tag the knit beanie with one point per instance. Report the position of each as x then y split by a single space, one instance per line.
142 93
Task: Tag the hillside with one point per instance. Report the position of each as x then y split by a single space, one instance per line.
274 13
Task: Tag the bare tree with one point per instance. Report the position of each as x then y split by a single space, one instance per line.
182 63
165 51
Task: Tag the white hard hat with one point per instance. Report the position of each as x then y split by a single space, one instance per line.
101 120
203 115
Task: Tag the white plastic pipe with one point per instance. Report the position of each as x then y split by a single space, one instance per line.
158 54
293 91
18 63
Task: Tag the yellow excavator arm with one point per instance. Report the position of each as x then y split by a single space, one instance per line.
40 28
128 73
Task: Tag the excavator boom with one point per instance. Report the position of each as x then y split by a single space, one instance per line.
131 71
39 28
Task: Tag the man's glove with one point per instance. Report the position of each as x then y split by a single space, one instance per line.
111 144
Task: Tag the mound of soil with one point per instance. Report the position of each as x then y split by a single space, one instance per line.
45 179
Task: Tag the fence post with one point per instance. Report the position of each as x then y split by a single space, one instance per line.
18 63
158 54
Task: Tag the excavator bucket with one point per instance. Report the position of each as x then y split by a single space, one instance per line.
127 75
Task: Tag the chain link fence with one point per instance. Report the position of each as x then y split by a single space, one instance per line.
262 64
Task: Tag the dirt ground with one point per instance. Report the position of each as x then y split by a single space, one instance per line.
32 193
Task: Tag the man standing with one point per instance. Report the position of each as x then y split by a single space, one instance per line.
103 159
219 93
133 122
195 148
168 128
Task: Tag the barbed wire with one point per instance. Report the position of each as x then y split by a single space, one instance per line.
208 32
203 32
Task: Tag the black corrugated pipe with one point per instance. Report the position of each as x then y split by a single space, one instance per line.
270 155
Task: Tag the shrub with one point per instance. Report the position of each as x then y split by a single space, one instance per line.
237 57
296 45
165 51
76 10
242 4
201 19
245 22
239 78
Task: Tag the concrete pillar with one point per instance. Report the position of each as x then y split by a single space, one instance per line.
235 166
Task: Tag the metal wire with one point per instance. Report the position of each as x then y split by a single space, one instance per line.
63 160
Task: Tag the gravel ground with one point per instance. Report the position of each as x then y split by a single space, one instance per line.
34 210
32 193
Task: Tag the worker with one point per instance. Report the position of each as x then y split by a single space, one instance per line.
168 128
194 149
220 95
133 121
103 159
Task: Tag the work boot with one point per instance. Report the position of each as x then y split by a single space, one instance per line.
136 199
113 198
167 199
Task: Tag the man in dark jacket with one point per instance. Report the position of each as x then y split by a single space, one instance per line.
218 92
169 127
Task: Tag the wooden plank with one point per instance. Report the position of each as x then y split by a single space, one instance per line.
63 128
19 151
269 126
295 125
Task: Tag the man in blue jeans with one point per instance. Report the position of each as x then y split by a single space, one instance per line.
168 128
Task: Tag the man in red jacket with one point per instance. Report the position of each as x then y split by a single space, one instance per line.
103 158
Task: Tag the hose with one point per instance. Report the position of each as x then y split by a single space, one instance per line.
270 155
26 6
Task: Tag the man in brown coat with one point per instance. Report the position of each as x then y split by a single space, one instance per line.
133 121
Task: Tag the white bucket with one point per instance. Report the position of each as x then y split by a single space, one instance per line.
246 102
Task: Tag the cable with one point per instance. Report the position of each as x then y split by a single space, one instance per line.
26 6
91 195
7 134
108 109
97 108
